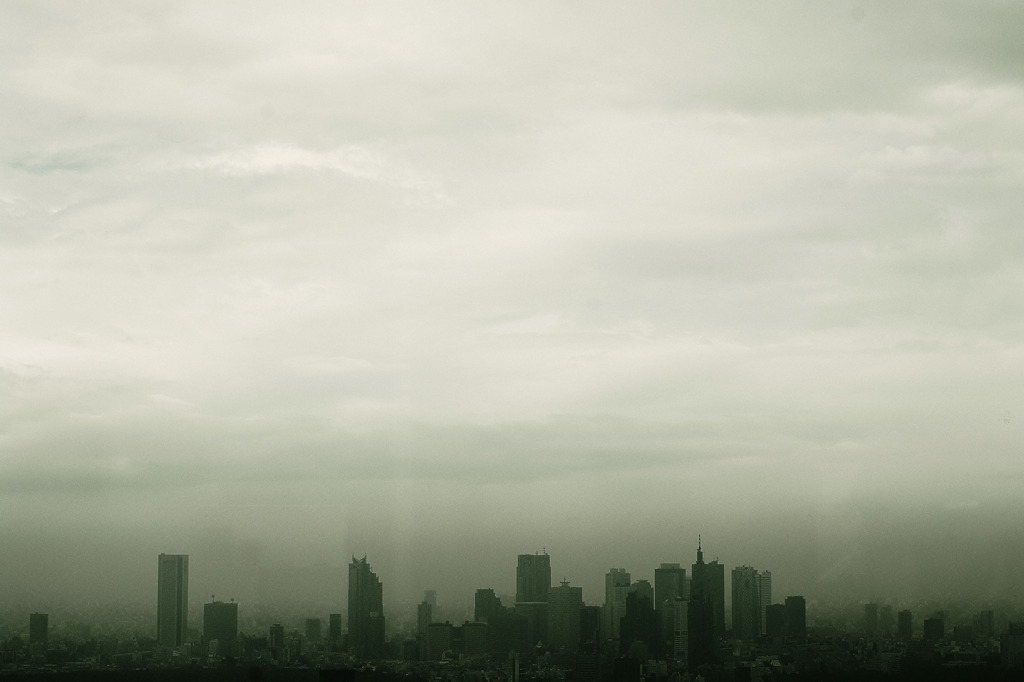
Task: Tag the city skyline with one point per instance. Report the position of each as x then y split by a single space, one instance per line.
437 284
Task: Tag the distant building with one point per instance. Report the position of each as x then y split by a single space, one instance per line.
334 631
1011 647
871 620
314 630
984 625
934 629
904 625
276 642
38 628
796 617
474 639
764 597
746 603
439 641
533 577
564 605
220 624
424 617
172 599
616 587
669 584
680 632
775 620
702 642
590 629
638 633
365 610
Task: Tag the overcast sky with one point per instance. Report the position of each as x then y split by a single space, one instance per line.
441 283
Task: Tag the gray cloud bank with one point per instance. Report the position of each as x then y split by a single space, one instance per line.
405 280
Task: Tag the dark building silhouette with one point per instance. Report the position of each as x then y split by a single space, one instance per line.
616 587
775 620
314 630
904 625
984 625
424 617
504 628
669 584
590 629
564 605
638 630
38 628
220 624
746 603
871 620
439 641
334 631
796 617
934 629
701 639
276 641
172 599
533 577
365 610
474 639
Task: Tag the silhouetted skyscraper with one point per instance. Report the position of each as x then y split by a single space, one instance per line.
764 595
533 577
220 623
564 605
38 628
616 587
669 585
796 617
172 599
701 613
904 625
746 603
365 610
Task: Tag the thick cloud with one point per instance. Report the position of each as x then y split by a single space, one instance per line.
405 280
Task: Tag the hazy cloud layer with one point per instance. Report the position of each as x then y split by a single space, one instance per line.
409 279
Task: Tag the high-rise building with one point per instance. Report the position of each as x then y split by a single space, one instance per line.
871 620
701 636
38 628
220 624
775 620
172 599
746 603
533 577
669 583
314 630
334 631
680 629
904 625
365 610
638 629
424 617
796 617
564 605
616 587
764 596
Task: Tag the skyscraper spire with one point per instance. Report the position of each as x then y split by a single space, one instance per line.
700 552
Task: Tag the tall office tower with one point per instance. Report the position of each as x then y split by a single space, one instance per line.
716 581
746 603
775 620
485 605
172 599
904 625
334 631
639 634
314 630
616 587
38 628
886 621
680 629
796 617
669 585
220 623
365 610
590 629
424 617
276 641
934 629
871 620
701 639
533 577
564 606
764 597
984 625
